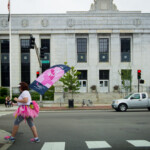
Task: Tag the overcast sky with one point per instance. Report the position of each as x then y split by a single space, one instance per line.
61 6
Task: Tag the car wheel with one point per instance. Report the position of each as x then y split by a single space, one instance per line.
148 108
117 109
122 107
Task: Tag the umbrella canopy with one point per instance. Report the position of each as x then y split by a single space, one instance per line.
48 78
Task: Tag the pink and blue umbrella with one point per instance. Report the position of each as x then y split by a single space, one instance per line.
48 78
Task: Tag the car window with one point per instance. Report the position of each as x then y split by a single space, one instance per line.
127 96
136 96
143 95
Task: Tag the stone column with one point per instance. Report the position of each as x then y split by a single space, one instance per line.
59 93
92 61
15 60
115 60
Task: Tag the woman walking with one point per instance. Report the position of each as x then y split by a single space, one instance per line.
27 110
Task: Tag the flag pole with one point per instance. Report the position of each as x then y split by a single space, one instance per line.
10 44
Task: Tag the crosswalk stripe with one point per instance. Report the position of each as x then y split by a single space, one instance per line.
139 143
97 144
53 146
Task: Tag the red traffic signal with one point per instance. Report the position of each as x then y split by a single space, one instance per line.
139 74
37 74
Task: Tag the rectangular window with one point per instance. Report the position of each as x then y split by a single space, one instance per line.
45 43
81 49
5 73
125 49
103 50
25 60
104 74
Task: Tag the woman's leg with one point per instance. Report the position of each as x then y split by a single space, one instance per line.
18 120
32 126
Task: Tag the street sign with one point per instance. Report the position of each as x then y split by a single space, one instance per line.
45 61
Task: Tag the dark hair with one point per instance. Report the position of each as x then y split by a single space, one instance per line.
24 86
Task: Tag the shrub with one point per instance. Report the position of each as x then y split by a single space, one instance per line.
2 100
4 91
93 87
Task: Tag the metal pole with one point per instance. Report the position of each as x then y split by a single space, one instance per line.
10 66
40 64
138 85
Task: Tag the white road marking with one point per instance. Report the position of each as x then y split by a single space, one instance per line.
97 144
4 113
139 143
53 146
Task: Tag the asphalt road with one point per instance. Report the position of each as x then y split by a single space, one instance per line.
84 130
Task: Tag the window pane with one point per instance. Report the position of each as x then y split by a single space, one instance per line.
25 60
101 83
45 43
82 45
5 74
83 75
82 57
25 46
106 83
84 83
4 46
104 74
104 45
125 44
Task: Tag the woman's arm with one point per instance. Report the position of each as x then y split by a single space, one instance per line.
24 100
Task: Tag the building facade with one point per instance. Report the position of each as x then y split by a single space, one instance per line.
101 43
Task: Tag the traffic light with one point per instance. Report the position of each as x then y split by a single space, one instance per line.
142 81
32 42
139 74
37 74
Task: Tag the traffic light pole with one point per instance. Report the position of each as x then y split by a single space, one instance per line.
40 64
138 85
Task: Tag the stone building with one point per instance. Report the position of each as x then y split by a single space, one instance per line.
101 43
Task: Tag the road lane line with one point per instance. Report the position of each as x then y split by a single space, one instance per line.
53 146
97 144
139 143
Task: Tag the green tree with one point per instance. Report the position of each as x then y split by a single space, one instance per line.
70 80
126 78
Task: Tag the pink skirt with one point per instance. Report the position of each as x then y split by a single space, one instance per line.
27 111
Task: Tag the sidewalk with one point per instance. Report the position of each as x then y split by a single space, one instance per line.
57 107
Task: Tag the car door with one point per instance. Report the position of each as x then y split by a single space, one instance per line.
143 101
137 102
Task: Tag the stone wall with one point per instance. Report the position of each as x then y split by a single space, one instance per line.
98 98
